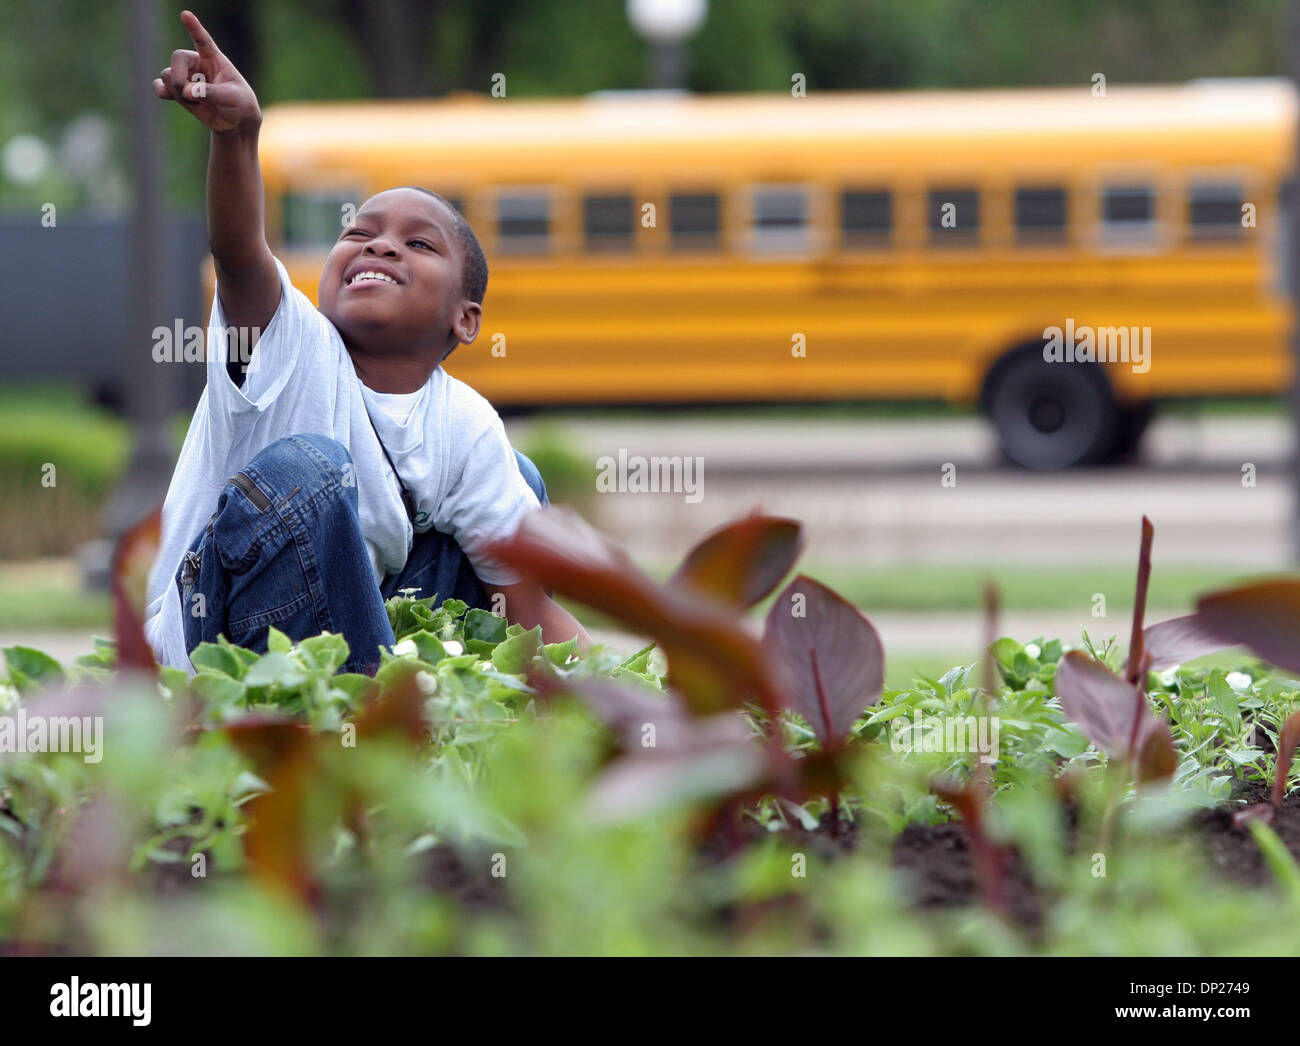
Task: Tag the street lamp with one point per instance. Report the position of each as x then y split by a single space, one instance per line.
666 25
148 385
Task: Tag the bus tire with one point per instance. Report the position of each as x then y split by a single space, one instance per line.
1134 421
1051 415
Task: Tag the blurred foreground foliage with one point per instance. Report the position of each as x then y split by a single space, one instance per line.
488 793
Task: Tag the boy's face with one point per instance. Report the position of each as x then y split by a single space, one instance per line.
406 236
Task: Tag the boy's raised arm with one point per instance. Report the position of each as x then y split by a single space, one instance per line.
205 82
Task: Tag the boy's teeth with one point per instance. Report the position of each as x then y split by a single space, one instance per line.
368 275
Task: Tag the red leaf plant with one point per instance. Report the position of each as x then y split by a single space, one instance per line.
1112 711
824 662
133 557
305 777
833 664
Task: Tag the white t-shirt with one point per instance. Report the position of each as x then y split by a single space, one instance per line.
447 441
397 405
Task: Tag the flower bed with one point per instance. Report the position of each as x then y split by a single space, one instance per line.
712 793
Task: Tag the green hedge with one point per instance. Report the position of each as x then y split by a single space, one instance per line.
48 511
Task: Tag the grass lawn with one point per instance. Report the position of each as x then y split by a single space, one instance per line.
46 595
902 670
948 588
943 587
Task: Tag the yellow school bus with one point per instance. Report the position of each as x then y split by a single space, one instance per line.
963 246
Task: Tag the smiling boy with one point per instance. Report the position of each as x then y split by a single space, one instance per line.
343 464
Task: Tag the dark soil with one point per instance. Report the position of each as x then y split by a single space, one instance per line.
471 886
172 877
1232 850
465 879
728 832
935 861
1259 739
937 865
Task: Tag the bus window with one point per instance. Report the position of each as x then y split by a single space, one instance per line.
1040 215
607 222
524 221
866 217
1214 210
693 221
1128 214
316 219
954 217
780 218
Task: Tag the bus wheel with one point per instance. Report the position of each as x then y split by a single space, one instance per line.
1051 415
1134 421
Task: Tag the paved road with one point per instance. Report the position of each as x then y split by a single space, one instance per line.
1177 441
933 491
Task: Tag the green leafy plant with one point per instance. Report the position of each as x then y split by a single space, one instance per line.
650 802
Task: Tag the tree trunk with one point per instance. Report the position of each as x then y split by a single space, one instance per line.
395 36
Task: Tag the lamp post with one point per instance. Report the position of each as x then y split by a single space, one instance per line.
147 385
666 25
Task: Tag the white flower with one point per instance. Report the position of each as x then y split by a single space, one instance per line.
406 648
427 682
453 648
1167 677
1032 650
1238 680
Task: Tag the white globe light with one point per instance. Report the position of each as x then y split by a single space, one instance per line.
85 146
25 158
666 21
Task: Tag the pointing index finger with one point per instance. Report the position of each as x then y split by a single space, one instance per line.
203 42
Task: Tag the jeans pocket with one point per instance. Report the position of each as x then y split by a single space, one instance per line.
296 618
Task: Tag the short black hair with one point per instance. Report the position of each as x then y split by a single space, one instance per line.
474 274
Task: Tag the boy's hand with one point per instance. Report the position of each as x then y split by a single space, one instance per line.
206 83
527 604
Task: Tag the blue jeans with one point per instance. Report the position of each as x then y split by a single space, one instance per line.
284 549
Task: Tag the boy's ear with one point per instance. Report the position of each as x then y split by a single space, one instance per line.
467 322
